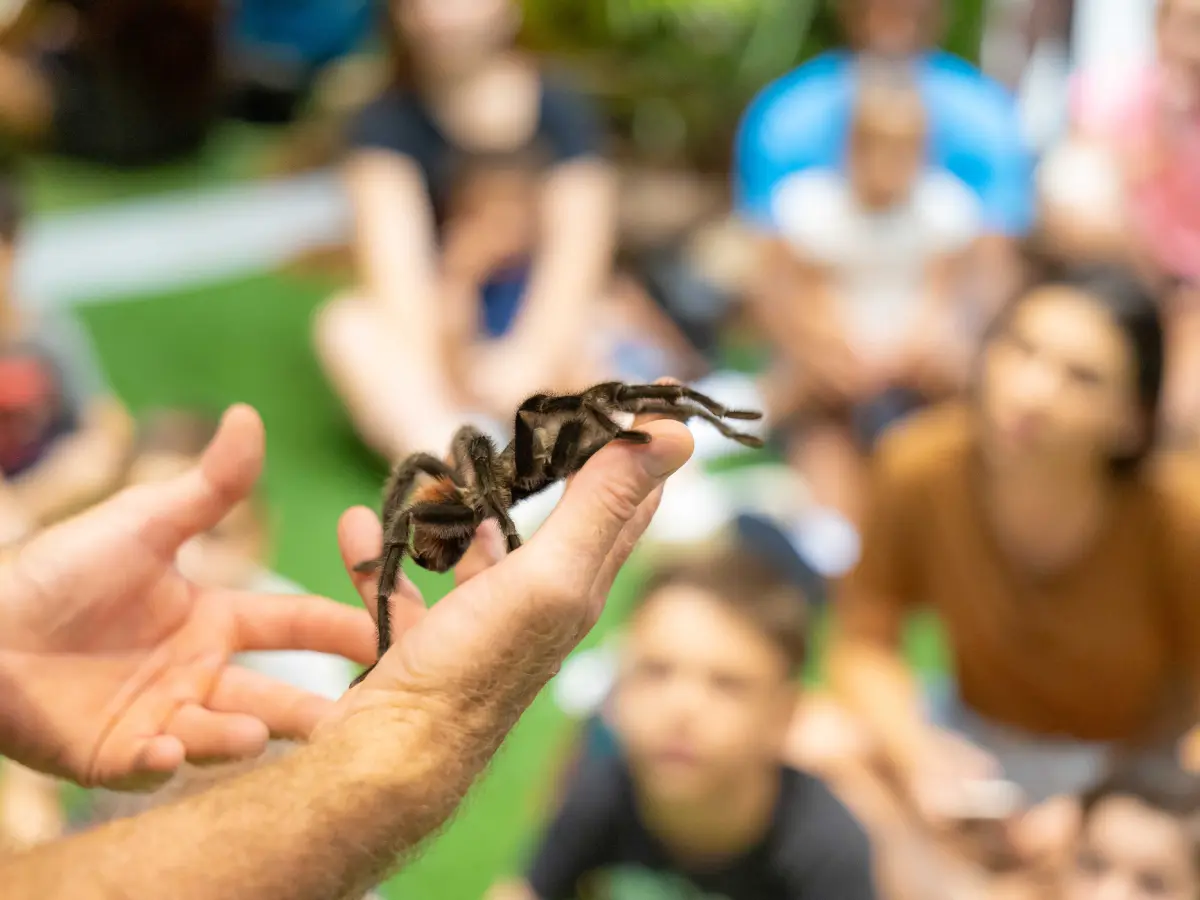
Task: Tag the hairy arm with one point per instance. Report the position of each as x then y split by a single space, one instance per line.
328 820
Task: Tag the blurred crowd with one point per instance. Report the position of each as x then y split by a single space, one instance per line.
977 295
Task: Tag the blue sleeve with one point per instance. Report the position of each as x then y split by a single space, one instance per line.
572 122
977 136
1008 195
799 122
389 122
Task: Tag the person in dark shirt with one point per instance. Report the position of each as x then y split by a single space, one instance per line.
697 804
460 89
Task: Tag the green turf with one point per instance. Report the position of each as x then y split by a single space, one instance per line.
249 341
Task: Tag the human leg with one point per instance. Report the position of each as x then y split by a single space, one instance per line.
384 398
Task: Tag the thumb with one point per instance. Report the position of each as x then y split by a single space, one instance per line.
606 494
196 500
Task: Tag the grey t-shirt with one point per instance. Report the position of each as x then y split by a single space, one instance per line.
60 335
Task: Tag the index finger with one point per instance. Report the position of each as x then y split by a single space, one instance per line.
360 538
299 622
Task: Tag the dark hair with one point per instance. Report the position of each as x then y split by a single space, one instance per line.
1160 784
1136 312
751 589
169 50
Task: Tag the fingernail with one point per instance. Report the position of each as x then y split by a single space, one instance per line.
658 460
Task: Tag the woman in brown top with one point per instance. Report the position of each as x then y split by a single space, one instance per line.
1061 563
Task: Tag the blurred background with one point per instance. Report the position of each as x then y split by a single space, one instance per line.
311 207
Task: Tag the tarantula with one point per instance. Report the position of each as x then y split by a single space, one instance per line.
553 437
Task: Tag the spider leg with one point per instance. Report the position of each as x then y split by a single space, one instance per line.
475 452
687 411
533 409
405 474
396 539
400 484
673 393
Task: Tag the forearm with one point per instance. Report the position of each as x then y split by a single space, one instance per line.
330 820
334 816
396 253
574 265
875 684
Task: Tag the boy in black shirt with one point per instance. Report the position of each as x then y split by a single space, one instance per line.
698 806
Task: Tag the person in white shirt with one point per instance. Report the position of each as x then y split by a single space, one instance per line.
872 318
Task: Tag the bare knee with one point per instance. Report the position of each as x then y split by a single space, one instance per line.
338 322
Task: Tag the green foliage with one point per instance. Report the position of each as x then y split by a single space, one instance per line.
676 74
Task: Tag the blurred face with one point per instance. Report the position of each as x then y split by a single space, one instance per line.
887 151
1058 382
1131 852
703 698
893 28
230 553
450 35
1179 48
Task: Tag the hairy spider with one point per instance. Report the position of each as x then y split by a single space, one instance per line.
554 436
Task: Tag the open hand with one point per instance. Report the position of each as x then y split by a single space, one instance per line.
511 620
114 668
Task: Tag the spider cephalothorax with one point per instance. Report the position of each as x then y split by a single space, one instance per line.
553 437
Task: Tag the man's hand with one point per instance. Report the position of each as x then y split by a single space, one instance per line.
505 629
114 668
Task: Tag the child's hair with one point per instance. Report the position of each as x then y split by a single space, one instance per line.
176 432
750 588
1160 784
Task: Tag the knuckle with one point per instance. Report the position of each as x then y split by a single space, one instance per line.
620 499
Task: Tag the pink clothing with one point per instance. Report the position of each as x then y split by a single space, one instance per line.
1126 110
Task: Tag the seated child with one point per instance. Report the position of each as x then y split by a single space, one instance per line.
1139 837
695 802
868 309
64 437
490 236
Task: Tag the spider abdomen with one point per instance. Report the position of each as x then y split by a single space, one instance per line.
438 490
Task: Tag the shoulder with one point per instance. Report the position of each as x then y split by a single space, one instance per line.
982 111
600 782
819 836
571 118
1174 483
917 452
391 121
947 205
795 107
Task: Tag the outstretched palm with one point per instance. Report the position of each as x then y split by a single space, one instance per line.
118 666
